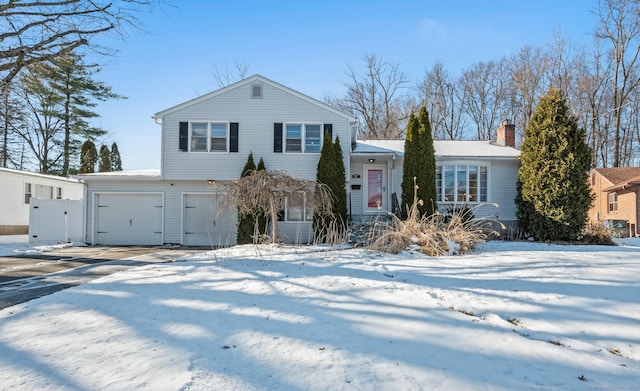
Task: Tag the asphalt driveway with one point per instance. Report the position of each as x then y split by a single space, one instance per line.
24 277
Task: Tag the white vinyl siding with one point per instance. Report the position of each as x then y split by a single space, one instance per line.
256 118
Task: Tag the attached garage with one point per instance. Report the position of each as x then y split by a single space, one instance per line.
205 223
128 219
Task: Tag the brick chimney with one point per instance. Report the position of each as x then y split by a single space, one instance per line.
506 134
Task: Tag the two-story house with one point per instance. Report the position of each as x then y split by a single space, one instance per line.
616 202
206 142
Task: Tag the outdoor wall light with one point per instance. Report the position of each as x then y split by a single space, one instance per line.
372 160
211 181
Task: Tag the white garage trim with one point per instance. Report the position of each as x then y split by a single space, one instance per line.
204 224
152 219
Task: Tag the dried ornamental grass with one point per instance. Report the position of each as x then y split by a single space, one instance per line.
432 235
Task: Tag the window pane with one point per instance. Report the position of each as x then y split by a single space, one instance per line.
294 138
295 208
483 184
199 136
219 144
462 183
219 130
312 138
449 182
473 184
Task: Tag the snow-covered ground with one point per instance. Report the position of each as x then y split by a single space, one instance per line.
513 316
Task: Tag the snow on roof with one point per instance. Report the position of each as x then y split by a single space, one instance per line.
35 174
443 148
150 174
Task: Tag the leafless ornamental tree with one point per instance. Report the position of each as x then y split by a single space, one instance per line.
33 31
264 193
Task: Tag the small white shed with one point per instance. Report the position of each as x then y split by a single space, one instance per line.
18 187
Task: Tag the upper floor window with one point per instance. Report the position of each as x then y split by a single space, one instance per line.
209 137
303 137
462 183
613 202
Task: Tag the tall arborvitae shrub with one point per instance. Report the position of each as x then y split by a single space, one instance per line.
104 164
419 162
246 223
88 158
340 186
331 172
116 159
553 193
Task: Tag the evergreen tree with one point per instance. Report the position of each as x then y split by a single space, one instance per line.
331 172
88 157
116 160
246 223
553 193
105 159
60 96
419 162
261 166
340 187
72 79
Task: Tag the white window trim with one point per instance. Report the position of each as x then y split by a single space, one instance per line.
612 205
226 123
303 136
455 165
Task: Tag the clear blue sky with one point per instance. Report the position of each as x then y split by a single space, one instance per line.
306 45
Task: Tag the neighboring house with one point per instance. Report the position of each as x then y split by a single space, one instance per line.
17 188
206 142
617 199
479 174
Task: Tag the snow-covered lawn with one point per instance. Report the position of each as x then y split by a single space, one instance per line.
514 316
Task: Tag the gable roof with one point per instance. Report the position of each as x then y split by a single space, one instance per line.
158 116
443 148
620 177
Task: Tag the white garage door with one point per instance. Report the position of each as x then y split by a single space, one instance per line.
205 224
128 219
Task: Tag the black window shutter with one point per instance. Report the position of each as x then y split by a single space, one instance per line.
277 137
183 139
233 137
328 128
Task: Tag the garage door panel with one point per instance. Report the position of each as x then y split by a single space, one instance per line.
205 223
129 219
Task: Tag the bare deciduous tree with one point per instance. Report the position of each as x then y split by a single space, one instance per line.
483 83
527 72
264 193
376 98
37 31
11 118
619 26
226 75
443 100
